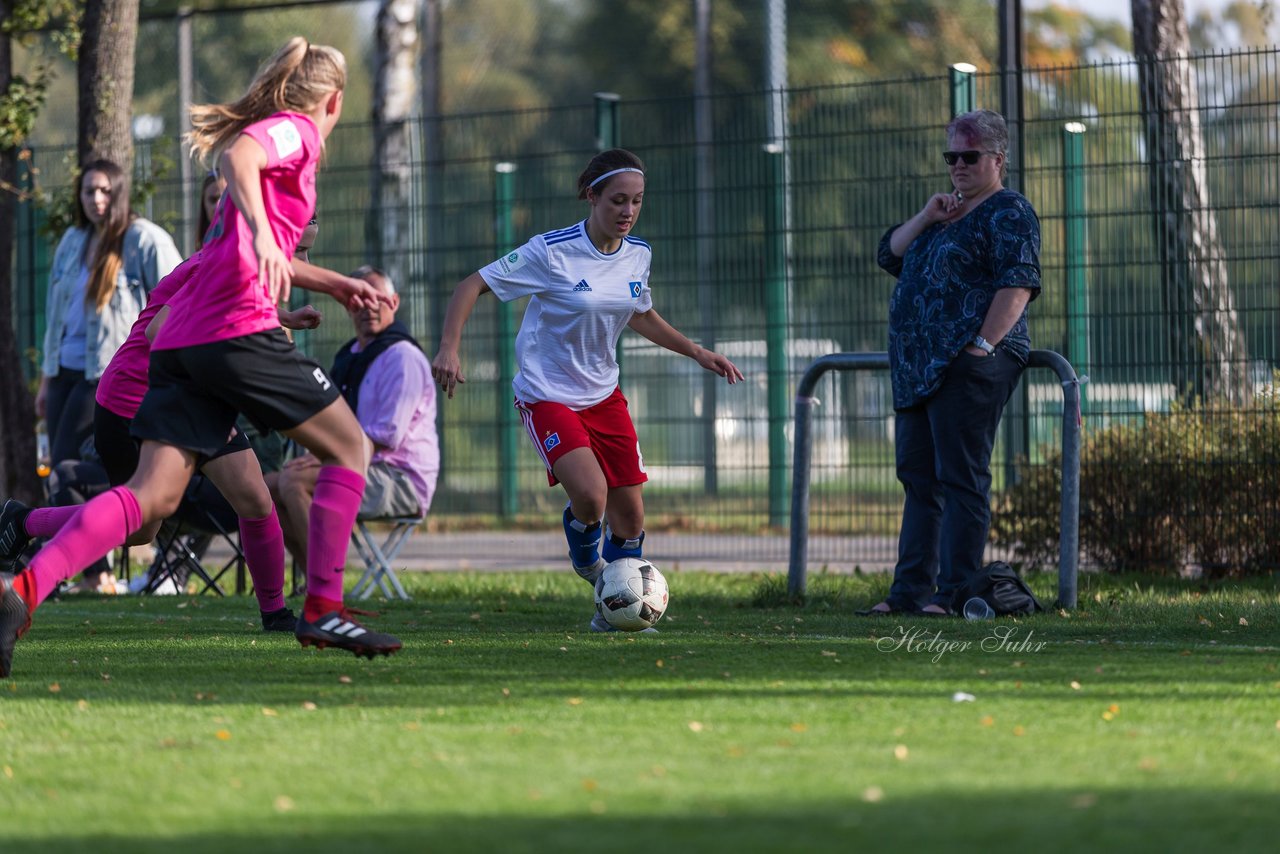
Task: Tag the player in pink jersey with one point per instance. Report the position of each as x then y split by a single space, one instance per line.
222 352
585 283
234 469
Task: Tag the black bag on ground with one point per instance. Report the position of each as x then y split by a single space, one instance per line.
1002 589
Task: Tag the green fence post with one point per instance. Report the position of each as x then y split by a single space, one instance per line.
608 130
962 87
1076 244
504 234
777 323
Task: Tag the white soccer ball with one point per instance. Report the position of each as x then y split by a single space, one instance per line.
631 594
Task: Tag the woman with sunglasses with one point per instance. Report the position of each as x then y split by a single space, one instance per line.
967 265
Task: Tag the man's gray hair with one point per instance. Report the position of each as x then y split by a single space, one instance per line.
364 271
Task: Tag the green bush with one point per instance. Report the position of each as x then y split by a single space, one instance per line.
1196 486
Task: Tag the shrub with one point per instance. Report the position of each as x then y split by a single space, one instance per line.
1196 485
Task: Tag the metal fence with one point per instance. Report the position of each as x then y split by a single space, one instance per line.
776 267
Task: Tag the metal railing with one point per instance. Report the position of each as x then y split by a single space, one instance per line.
1069 542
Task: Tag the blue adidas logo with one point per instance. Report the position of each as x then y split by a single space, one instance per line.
581 286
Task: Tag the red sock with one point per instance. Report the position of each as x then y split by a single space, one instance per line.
25 585
101 525
315 607
333 512
47 521
263 545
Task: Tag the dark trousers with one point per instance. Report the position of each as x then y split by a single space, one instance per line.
69 409
943 449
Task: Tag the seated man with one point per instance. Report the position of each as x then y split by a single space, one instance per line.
386 379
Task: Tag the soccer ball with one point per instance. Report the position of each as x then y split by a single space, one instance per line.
631 594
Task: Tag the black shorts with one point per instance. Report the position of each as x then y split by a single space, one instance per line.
120 452
196 392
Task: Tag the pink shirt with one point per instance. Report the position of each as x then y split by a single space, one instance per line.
397 409
226 300
124 382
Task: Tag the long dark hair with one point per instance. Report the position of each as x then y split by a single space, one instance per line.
108 258
202 220
606 161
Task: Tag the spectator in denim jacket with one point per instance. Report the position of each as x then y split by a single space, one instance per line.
103 269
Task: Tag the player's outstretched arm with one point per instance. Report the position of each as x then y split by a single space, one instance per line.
307 317
651 325
446 367
352 293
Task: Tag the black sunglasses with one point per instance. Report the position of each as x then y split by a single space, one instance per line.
970 157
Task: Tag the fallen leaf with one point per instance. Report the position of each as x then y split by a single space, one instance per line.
1084 801
1019 730
900 752
345 680
695 726
309 706
873 794
1243 621
270 713
283 803
799 727
55 688
962 697
590 785
223 735
987 720
659 663
83 705
574 701
1075 686
1147 763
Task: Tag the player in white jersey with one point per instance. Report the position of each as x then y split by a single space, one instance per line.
586 283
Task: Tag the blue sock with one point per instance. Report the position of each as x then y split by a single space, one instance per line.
618 547
584 540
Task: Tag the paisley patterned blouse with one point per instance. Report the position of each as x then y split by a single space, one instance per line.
945 285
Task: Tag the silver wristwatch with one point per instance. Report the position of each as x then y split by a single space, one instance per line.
984 345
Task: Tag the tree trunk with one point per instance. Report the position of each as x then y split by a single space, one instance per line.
394 90
17 409
1207 346
105 78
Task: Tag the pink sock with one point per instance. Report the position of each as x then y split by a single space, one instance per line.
333 512
47 521
101 525
263 545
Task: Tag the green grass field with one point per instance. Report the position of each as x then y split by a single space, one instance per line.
1149 720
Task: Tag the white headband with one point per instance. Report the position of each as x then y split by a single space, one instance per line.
614 172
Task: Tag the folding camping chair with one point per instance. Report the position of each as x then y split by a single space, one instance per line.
203 516
377 558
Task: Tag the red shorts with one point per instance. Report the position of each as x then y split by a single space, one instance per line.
605 428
